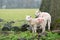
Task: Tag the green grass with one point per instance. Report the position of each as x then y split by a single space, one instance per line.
29 36
16 14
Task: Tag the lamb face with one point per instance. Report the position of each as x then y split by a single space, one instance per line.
28 18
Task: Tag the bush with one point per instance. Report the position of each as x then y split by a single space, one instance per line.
24 27
29 36
51 36
6 29
15 28
22 35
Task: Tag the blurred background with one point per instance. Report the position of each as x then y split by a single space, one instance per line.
9 4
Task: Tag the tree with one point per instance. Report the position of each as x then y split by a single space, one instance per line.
53 7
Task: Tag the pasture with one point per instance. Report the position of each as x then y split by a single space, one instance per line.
16 14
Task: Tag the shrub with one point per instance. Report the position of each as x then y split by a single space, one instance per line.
29 36
15 28
51 36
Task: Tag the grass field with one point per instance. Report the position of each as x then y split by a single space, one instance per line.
16 14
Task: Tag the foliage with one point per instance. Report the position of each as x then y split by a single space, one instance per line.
51 36
27 35
13 36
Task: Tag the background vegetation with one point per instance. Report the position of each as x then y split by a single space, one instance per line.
17 15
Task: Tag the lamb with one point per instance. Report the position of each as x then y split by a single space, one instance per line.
41 20
45 15
34 22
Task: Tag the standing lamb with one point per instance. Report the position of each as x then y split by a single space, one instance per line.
45 15
35 22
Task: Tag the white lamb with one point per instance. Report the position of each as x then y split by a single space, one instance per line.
45 15
34 22
43 18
